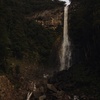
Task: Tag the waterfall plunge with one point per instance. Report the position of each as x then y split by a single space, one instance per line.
65 55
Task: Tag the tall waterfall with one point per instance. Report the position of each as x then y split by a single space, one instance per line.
65 55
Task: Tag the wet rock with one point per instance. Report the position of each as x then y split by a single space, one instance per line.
59 94
37 93
76 97
43 97
67 97
51 87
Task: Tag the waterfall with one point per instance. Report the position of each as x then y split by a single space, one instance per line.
29 95
65 55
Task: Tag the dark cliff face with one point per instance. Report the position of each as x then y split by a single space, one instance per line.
84 32
29 30
84 29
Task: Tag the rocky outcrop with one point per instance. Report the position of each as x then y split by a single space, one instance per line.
48 18
6 89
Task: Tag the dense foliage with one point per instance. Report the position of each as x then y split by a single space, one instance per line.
21 38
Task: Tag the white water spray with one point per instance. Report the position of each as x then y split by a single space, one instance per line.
67 2
65 55
29 94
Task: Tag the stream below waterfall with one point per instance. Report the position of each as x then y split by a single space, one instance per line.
55 87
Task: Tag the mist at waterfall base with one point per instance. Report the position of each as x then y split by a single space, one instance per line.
65 54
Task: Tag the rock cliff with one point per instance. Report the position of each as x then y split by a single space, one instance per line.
48 18
6 89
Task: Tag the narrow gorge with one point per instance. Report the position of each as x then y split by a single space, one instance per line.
31 37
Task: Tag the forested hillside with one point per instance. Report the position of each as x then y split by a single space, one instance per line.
21 38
